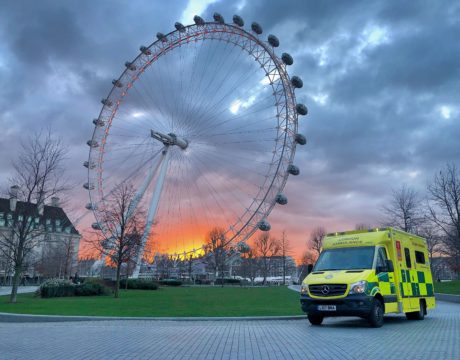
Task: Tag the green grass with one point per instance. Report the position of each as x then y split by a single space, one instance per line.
448 287
182 301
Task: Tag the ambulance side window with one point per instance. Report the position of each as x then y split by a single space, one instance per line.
419 257
407 255
381 257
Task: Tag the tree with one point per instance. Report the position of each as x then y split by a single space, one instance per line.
123 229
444 210
403 210
38 176
316 239
306 262
266 247
285 249
216 249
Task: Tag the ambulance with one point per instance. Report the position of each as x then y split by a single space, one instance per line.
369 273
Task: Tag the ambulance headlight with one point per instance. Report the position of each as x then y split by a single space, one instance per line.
304 289
358 287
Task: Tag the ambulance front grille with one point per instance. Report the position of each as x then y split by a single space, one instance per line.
326 290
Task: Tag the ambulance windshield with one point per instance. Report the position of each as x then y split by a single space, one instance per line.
346 259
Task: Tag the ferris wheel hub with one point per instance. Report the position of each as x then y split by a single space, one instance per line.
169 139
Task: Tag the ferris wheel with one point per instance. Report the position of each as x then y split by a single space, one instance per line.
204 124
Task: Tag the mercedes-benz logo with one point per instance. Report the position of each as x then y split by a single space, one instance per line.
325 289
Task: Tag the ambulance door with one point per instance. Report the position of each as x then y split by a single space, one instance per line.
411 284
386 281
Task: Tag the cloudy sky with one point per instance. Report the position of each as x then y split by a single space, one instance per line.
381 81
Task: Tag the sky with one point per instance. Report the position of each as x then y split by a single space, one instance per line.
381 82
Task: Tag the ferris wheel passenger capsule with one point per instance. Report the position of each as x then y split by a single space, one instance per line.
264 225
301 109
281 199
145 50
273 41
300 139
89 165
106 102
117 83
88 186
287 59
130 66
91 206
92 143
179 26
161 37
198 20
218 18
256 28
96 226
98 122
296 82
237 20
293 170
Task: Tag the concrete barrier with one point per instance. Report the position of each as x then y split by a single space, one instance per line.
448 297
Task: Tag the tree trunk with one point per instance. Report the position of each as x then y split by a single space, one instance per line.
284 269
117 284
16 279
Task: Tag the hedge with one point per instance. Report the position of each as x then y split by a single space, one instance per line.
139 284
171 282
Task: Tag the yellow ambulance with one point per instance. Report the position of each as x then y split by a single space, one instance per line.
369 273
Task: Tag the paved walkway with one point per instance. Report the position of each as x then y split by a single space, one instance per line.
436 337
6 290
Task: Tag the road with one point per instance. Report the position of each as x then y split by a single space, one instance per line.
436 337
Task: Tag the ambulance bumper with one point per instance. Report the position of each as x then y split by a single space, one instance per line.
351 305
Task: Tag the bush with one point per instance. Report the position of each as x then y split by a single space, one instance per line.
229 281
171 282
61 288
91 289
139 284
56 288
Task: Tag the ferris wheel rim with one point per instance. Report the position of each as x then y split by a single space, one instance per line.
265 206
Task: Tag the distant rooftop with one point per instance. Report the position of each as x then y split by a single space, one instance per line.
49 217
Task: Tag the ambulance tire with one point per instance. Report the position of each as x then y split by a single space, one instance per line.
315 319
375 318
417 315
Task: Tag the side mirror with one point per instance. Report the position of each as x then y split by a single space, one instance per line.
309 268
389 265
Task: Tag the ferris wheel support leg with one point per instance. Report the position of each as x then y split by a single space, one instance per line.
152 210
140 193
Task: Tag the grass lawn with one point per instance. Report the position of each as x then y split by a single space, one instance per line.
181 301
448 287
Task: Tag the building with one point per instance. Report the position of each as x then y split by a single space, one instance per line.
56 241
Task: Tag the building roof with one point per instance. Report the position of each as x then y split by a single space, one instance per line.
50 213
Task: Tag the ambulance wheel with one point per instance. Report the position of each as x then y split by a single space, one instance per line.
375 318
417 315
315 319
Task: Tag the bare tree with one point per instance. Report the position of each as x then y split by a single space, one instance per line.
363 226
216 248
265 247
123 229
444 210
316 239
285 249
403 210
306 263
38 176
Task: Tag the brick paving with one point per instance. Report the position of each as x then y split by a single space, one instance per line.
436 337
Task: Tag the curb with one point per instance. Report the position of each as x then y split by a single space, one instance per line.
447 297
22 318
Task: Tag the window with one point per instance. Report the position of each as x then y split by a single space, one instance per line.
419 257
407 255
381 258
48 221
58 222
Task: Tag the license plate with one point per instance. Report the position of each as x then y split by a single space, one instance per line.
327 308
